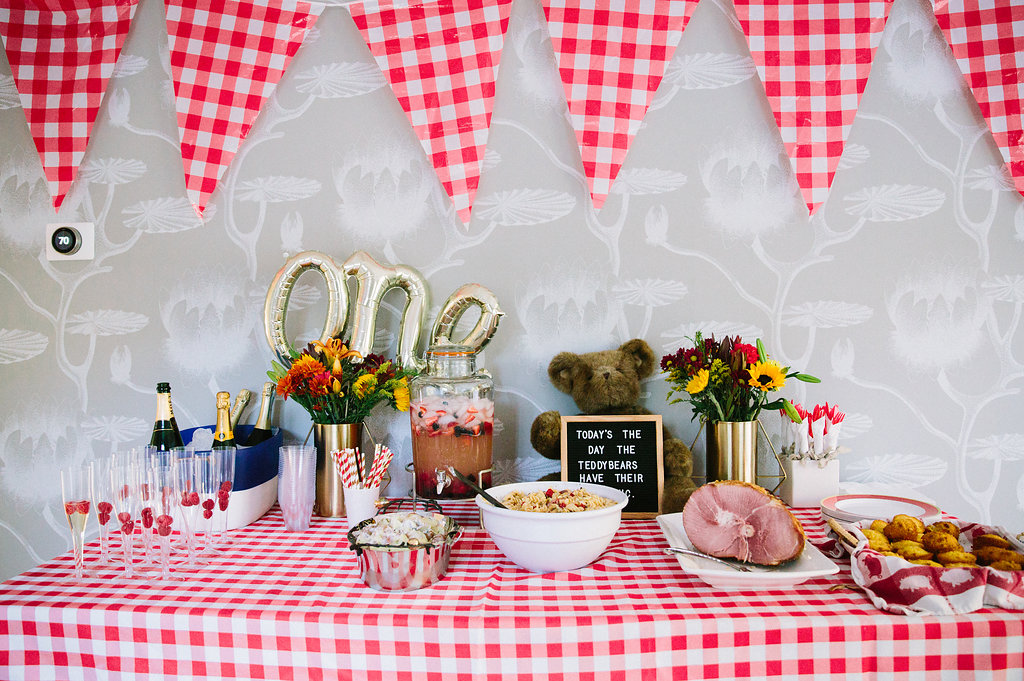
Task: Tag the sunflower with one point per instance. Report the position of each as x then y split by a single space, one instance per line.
698 382
402 396
364 385
767 375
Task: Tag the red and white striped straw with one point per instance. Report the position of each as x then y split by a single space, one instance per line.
381 460
356 461
343 462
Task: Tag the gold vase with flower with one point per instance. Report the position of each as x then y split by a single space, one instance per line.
338 387
727 383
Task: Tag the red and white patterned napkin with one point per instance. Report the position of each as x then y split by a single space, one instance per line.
62 54
441 59
895 585
988 43
611 56
227 57
814 58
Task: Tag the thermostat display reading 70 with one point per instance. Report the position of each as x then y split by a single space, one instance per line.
65 240
624 452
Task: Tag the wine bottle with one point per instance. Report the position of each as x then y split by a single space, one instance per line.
241 402
262 431
165 429
223 435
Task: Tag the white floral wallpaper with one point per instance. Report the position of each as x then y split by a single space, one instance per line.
904 292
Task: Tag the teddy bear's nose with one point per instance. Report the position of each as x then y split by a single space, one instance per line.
607 374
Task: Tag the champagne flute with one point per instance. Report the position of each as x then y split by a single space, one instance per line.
206 485
146 503
76 493
163 481
102 496
188 499
224 478
124 478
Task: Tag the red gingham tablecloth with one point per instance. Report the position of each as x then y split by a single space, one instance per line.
283 605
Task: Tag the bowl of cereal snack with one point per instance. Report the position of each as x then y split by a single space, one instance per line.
552 526
404 550
946 567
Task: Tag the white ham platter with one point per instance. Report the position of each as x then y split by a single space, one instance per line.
809 564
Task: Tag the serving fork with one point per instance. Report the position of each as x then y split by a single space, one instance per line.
698 554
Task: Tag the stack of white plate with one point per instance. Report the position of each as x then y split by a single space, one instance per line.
852 508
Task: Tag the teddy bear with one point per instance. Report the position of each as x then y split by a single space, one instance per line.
607 382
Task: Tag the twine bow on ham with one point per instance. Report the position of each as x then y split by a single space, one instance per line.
349 463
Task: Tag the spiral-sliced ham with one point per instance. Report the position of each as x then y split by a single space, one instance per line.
732 519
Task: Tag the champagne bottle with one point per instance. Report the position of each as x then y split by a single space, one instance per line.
241 402
165 429
262 431
223 435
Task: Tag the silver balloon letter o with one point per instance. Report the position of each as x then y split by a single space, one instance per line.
465 297
281 289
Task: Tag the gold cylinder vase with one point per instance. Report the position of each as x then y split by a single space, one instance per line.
732 451
329 501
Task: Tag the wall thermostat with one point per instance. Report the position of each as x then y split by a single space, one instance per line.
70 241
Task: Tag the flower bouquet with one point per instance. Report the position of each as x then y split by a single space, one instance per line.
338 385
728 380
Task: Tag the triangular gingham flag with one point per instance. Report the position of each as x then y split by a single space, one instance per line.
611 56
987 39
441 59
814 57
227 57
62 55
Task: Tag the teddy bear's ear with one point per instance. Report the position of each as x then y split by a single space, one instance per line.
642 354
563 370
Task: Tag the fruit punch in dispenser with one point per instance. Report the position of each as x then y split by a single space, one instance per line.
452 414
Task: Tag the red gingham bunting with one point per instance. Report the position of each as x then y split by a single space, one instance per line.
227 57
988 43
62 55
814 57
611 56
441 59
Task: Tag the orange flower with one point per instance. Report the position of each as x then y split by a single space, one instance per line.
304 368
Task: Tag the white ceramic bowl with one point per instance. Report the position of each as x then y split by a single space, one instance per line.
551 542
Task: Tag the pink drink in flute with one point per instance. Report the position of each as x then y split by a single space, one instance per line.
76 492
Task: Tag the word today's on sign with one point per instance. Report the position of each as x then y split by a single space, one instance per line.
624 452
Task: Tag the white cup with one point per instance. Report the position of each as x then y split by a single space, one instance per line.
360 504
296 480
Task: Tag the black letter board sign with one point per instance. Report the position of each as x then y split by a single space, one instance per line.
624 452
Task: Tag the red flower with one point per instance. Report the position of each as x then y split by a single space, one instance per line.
750 351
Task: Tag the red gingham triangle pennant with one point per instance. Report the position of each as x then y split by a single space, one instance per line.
988 43
62 56
814 57
227 57
441 59
612 55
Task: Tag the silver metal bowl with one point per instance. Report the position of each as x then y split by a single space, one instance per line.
405 567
